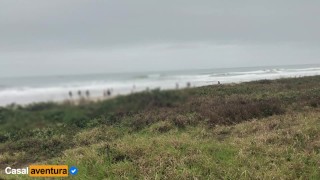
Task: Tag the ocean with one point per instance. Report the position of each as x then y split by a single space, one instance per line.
26 90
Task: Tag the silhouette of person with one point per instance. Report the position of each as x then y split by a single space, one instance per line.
80 93
188 84
87 93
70 94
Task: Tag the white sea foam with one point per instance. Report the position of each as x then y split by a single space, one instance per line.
58 91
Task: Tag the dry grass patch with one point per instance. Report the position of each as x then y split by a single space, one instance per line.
283 146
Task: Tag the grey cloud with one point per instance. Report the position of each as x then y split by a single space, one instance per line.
216 33
85 24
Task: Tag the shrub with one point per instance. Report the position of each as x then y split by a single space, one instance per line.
40 106
162 127
237 109
3 138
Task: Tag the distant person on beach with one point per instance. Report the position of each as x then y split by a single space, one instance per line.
177 85
107 92
79 93
219 82
88 93
188 84
70 94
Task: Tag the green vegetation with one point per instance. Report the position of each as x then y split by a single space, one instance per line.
255 130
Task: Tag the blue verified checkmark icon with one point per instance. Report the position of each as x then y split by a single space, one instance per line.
73 170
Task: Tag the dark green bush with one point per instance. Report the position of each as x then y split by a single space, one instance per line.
40 106
3 138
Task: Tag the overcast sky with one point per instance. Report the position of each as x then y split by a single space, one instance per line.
39 37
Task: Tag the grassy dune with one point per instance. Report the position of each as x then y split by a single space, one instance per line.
256 130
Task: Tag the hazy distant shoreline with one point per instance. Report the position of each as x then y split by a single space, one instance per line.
56 89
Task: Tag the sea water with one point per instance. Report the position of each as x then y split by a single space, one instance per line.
26 90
